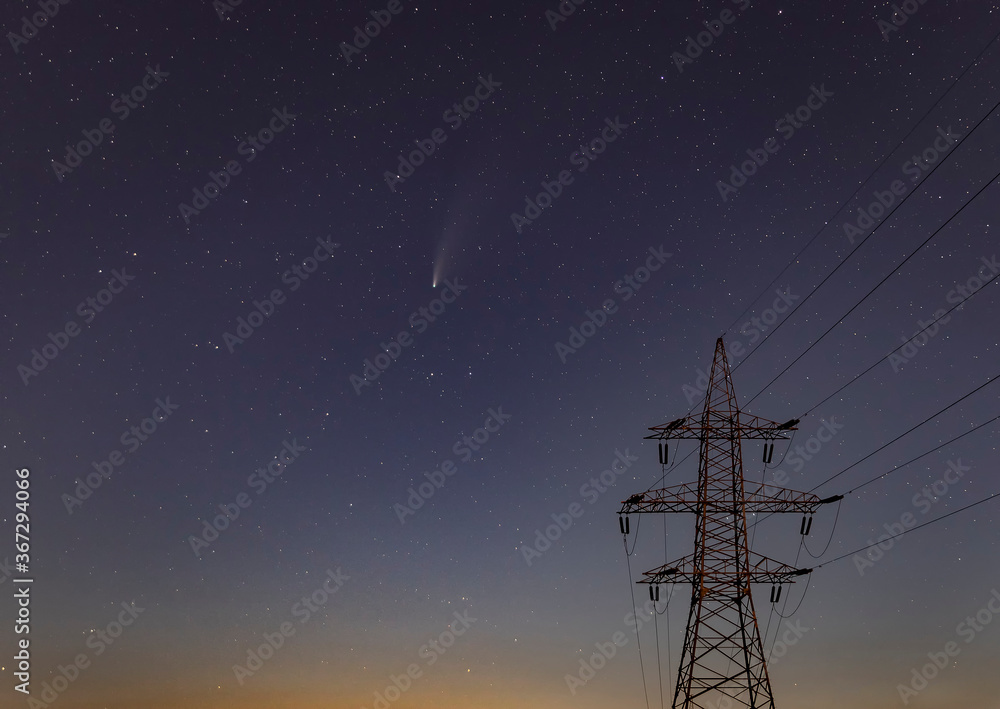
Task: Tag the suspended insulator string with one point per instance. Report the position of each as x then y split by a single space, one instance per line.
832 532
889 354
854 379
671 469
625 538
912 529
780 613
674 465
804 592
866 181
787 448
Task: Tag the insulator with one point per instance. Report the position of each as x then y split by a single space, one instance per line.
651 592
768 452
666 453
661 454
621 523
657 593
775 593
806 525
809 525
626 525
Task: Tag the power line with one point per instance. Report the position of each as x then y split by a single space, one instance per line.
870 234
903 465
659 662
889 354
801 601
879 284
635 616
910 430
907 432
833 531
719 598
912 529
866 181
948 221
774 606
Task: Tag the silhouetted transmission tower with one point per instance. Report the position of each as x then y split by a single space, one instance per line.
722 655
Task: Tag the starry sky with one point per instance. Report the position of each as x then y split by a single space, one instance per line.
310 336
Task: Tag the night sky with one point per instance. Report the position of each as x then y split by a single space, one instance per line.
312 339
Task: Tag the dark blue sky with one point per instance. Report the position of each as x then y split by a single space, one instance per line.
475 399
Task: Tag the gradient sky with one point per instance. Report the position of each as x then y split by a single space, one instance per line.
223 75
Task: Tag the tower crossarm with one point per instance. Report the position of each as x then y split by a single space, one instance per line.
744 426
762 569
722 662
759 498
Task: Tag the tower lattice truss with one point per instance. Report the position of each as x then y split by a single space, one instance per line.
723 655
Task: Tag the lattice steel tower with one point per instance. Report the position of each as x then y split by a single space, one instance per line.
722 655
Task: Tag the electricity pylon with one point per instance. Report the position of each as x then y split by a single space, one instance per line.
722 655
